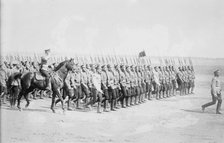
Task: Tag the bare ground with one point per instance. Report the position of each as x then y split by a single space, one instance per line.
175 120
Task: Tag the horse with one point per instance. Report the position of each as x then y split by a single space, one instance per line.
29 82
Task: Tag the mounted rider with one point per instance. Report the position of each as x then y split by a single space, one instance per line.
44 67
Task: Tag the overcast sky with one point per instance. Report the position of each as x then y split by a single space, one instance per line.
160 27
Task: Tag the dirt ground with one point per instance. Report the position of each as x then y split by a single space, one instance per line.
175 120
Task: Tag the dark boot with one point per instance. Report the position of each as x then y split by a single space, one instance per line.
105 106
115 104
112 105
122 103
77 104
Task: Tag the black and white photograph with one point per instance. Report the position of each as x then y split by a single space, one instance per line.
111 71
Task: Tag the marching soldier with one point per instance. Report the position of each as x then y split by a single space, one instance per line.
84 82
191 78
215 92
139 87
69 85
90 72
77 86
111 87
104 87
117 85
128 86
156 81
173 80
132 84
185 75
180 80
149 81
123 86
97 84
167 80
161 80
143 84
95 87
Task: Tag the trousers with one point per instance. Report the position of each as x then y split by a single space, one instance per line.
214 99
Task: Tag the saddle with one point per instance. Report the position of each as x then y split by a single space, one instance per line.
39 76
54 76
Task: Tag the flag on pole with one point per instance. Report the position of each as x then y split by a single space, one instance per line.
142 54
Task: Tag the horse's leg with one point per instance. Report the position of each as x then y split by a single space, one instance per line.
35 94
60 97
58 100
75 99
52 102
26 96
15 96
11 98
27 100
18 100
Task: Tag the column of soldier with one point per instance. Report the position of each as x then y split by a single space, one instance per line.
119 84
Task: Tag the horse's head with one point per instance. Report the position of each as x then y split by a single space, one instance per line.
70 64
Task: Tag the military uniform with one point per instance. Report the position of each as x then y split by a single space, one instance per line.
44 68
132 85
180 81
148 75
123 86
136 91
104 87
85 82
69 87
161 80
156 82
95 85
139 88
216 94
117 85
173 80
111 87
77 86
